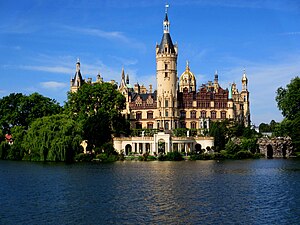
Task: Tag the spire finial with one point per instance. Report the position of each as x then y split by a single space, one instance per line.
167 6
187 65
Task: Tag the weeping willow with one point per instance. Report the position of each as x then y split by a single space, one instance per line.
53 138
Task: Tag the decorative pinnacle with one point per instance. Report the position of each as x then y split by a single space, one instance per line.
167 6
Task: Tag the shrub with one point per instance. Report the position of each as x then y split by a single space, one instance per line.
161 157
174 156
232 148
243 155
81 157
151 158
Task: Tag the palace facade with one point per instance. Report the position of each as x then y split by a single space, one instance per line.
177 102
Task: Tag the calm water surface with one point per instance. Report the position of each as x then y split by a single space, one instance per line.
200 192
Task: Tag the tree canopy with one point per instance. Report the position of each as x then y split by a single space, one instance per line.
53 138
288 101
98 108
17 109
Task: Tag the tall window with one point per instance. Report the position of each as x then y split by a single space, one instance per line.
193 125
203 114
182 114
193 114
149 115
223 115
213 114
138 115
149 125
167 113
138 125
166 103
166 66
167 125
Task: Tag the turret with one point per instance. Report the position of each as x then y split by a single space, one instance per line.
166 76
77 82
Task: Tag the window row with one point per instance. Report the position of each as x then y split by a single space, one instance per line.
203 114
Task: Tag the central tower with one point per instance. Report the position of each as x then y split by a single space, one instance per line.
166 78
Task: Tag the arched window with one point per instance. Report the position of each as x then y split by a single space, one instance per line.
193 114
213 114
203 114
138 125
138 115
182 114
193 125
149 125
223 115
150 115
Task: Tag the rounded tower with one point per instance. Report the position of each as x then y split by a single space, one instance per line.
166 77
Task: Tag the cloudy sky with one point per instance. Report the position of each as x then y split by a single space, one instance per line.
41 40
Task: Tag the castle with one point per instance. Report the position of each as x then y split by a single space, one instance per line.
176 102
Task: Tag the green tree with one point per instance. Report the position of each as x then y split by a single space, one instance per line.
21 110
288 101
53 138
98 108
219 131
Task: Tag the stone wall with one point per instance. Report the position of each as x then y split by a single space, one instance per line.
278 147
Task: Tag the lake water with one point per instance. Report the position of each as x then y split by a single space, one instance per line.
196 192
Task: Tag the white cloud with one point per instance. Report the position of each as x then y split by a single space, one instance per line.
263 81
53 85
50 69
109 35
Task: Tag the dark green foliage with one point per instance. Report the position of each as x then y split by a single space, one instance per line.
170 156
180 132
98 108
104 157
81 157
288 101
161 157
21 110
219 131
151 158
174 156
53 138
147 132
4 149
17 151
263 127
243 155
202 156
249 144
232 148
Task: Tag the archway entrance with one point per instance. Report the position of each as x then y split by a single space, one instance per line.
198 148
128 149
161 146
284 150
270 151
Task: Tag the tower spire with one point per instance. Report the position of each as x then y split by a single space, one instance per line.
166 22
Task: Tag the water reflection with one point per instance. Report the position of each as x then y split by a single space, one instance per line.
200 192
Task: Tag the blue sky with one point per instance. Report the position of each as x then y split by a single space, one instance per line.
41 40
